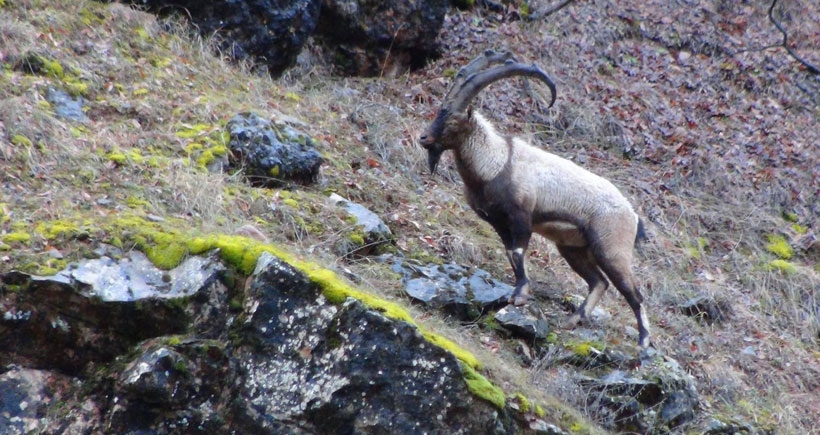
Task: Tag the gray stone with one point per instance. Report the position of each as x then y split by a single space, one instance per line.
374 232
272 154
66 106
453 288
527 322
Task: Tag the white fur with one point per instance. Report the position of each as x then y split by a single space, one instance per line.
551 182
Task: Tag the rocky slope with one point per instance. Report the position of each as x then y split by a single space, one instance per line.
114 138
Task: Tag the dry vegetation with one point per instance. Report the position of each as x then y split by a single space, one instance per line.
718 150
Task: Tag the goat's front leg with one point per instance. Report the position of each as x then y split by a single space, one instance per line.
516 245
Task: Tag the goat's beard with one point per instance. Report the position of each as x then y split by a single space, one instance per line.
433 156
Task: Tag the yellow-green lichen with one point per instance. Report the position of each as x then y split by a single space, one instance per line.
779 246
481 387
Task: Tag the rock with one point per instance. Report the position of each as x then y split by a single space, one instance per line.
453 289
155 377
656 398
174 387
66 106
271 32
706 309
527 321
272 154
23 393
321 368
96 310
380 38
371 232
111 346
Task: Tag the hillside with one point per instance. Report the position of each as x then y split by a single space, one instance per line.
712 136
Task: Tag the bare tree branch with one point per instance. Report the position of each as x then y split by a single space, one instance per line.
812 69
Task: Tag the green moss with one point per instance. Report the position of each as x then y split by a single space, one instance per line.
136 202
357 237
290 202
76 87
790 216
17 237
52 68
584 348
523 403
481 387
800 229
19 139
539 411
191 131
779 246
52 230
782 266
117 157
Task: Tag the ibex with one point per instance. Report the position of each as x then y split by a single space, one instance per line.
519 189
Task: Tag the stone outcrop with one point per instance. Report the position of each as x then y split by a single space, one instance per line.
380 38
129 348
270 32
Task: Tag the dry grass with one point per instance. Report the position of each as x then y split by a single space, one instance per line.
761 364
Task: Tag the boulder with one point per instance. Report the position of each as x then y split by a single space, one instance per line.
381 38
270 32
322 368
272 154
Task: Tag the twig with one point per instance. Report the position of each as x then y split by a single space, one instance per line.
812 69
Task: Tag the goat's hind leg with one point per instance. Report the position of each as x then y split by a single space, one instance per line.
581 260
619 271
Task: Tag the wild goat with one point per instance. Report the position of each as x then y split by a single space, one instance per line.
520 189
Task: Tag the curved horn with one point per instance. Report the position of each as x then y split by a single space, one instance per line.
490 57
478 81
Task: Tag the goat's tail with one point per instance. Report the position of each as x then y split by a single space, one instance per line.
641 235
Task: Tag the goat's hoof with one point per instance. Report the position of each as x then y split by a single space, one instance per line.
573 320
519 300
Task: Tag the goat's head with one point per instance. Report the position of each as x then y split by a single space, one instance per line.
452 123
